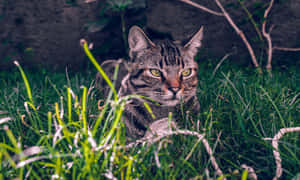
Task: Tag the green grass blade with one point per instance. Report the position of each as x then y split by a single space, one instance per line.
49 123
129 167
274 105
12 138
25 81
101 116
244 175
83 112
149 109
69 105
99 68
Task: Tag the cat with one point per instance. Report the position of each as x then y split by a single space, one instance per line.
164 71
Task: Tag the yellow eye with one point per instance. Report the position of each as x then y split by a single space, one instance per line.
186 72
155 72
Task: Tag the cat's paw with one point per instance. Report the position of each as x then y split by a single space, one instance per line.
160 127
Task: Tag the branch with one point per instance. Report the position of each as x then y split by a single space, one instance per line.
202 7
268 36
239 32
152 139
89 1
276 153
286 49
229 19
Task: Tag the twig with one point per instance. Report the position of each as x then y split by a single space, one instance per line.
152 139
268 36
276 153
202 7
286 49
212 158
240 33
89 1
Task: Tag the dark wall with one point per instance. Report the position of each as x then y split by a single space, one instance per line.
47 33
181 20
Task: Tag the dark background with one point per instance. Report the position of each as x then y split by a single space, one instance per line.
46 34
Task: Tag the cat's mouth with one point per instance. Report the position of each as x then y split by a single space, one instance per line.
171 99
170 102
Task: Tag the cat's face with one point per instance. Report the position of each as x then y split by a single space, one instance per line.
166 71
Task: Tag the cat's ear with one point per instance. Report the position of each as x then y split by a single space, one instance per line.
138 40
191 48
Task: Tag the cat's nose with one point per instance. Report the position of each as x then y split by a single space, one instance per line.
174 89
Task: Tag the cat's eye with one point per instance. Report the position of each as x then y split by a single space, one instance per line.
186 72
155 72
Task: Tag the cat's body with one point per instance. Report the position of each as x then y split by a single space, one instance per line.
163 71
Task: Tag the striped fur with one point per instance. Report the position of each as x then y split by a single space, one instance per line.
164 71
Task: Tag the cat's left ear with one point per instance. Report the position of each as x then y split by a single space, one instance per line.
191 48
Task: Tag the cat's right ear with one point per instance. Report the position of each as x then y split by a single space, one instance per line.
191 48
138 40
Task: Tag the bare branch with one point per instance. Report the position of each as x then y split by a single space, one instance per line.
276 153
268 36
202 7
89 1
286 49
239 32
152 139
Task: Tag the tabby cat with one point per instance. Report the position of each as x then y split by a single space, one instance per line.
164 71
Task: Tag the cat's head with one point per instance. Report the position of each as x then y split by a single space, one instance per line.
164 71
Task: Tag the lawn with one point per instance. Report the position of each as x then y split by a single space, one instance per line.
60 127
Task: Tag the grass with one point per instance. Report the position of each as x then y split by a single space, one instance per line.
75 138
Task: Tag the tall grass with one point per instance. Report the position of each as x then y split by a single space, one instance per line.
55 128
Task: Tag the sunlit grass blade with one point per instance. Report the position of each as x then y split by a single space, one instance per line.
129 169
25 81
149 109
49 123
99 68
244 175
61 123
83 111
12 139
69 105
119 111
